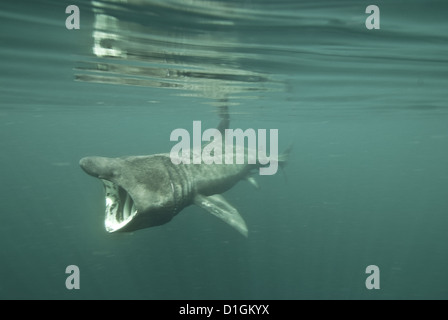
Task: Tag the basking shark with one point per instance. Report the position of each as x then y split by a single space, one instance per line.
147 191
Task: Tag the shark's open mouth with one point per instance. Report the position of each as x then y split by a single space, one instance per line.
120 207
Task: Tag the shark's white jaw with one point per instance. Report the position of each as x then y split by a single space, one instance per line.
120 207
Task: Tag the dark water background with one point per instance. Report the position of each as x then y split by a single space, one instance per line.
366 111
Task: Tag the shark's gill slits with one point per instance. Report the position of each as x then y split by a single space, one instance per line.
120 207
128 207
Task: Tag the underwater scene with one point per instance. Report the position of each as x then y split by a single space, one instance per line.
223 149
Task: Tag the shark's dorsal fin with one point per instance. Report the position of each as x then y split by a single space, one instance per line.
218 206
225 117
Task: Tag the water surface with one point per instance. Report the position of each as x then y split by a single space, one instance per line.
365 110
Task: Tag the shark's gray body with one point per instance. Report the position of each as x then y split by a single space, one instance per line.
146 191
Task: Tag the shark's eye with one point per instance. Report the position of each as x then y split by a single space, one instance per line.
115 173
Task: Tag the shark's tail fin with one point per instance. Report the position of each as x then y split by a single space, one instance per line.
284 157
283 160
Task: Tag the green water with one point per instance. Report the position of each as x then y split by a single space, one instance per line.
365 110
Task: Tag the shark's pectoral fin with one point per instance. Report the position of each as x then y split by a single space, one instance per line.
253 182
219 207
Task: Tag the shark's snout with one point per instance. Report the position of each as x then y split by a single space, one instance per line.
86 164
98 167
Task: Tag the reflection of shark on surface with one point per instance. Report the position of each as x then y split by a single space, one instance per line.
146 191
